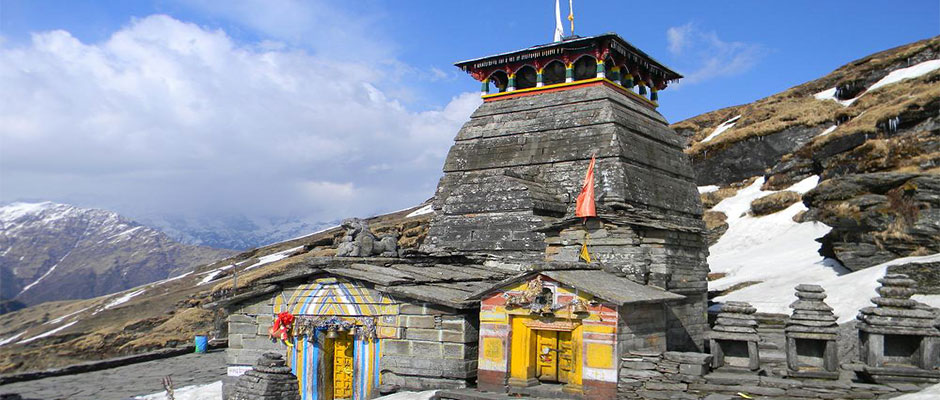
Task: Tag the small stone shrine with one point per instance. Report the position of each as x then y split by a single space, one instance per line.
270 379
733 340
898 339
811 334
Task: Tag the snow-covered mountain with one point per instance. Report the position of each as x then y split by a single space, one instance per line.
234 232
51 251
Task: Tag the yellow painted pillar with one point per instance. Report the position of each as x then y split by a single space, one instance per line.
522 354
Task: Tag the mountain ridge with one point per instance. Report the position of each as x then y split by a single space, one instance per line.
51 251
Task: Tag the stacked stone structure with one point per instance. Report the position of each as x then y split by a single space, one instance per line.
811 334
515 170
270 379
898 338
733 340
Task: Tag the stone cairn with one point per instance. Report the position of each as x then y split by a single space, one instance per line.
270 379
909 324
735 323
812 320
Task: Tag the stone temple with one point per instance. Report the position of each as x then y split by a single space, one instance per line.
498 295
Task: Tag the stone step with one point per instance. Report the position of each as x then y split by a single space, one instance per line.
773 357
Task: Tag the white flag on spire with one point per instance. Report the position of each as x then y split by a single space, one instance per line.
559 29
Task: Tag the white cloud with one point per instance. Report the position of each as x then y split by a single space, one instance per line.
167 117
702 55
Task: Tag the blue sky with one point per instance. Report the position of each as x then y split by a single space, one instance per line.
323 109
791 42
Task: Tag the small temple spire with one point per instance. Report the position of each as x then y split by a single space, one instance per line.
559 29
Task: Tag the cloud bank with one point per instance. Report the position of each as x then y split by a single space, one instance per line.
169 118
702 55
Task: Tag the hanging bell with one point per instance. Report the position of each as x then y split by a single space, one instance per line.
579 308
353 330
331 333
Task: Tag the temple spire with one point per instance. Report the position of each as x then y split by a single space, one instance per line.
559 29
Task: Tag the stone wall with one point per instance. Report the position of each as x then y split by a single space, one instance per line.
437 348
677 375
432 346
667 259
520 162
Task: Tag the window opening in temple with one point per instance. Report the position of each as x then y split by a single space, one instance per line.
525 77
735 351
810 352
500 81
901 349
585 68
553 73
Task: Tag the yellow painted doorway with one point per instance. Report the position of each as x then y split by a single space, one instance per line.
555 356
342 384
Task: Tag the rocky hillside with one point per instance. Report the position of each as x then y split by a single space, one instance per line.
168 312
52 251
869 131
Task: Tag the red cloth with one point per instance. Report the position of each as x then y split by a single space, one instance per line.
585 206
282 324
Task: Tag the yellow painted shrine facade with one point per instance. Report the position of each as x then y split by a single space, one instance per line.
549 329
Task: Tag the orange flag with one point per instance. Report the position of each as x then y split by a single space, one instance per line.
585 206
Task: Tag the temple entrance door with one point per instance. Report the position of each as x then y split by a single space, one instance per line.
342 367
555 358
546 356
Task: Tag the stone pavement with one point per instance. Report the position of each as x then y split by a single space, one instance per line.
127 381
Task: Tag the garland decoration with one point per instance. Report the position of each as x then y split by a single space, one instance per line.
359 327
281 329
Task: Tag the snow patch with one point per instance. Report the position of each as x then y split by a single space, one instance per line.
60 319
194 392
270 258
708 189
209 277
906 73
124 233
11 338
930 393
779 254
121 300
721 128
27 287
48 333
892 77
425 395
14 211
827 131
421 211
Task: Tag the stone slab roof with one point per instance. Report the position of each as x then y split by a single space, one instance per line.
611 287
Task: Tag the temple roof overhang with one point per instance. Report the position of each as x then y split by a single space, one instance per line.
569 50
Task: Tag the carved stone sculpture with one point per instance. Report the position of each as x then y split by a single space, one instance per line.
359 241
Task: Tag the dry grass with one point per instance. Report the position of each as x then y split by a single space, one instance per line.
797 106
774 202
711 199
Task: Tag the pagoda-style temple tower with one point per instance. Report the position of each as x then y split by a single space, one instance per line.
511 179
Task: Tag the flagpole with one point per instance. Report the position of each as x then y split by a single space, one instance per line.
571 15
